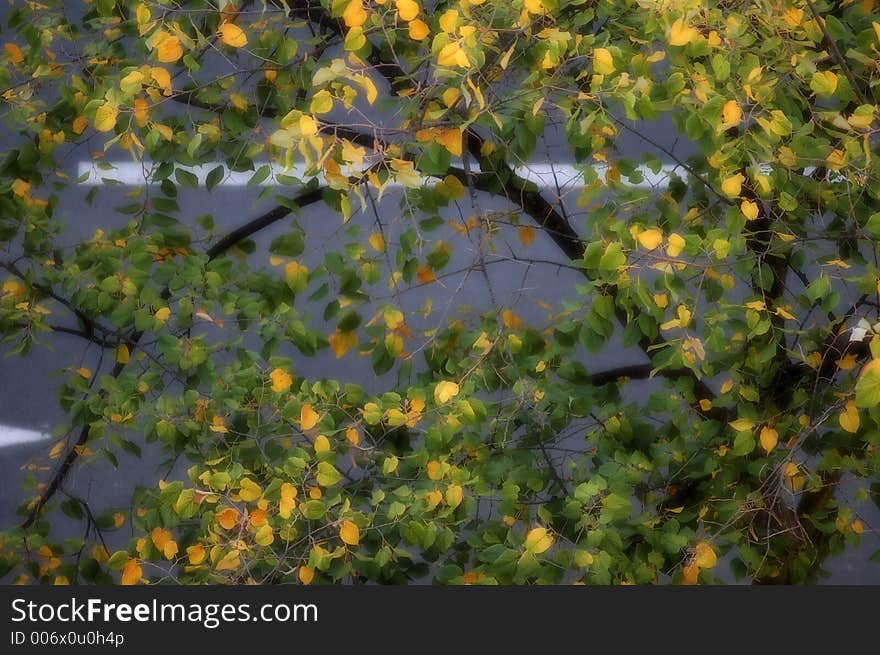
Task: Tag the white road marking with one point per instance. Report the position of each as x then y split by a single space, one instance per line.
544 175
12 436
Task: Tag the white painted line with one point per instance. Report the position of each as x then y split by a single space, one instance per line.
12 436
544 175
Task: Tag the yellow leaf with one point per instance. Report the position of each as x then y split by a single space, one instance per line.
306 575
757 305
84 373
218 425
426 274
196 554
418 30
141 112
434 470
308 125
264 536
445 391
132 82
308 417
538 540
342 342
131 573
229 562
377 241
163 314
162 78
16 56
354 15
228 518
454 495
169 50
533 6
749 209
322 102
731 114
249 490
689 574
449 21
166 132
352 436
232 35
849 418
769 438
105 117
349 533
681 34
742 424
122 354
322 444
80 123
511 320
650 238
407 9
704 556
675 245
603 62
732 186
450 95
451 140
661 300
160 537
452 55
281 380
526 235
836 159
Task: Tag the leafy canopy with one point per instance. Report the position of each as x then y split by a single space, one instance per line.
738 295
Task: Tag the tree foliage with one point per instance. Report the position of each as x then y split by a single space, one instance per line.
491 447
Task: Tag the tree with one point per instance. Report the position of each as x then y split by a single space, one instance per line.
742 288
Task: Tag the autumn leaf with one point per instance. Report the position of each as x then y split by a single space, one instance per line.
249 490
349 533
229 562
281 380
308 417
538 540
849 418
418 30
354 15
732 186
105 117
445 391
322 102
603 63
131 573
742 424
680 34
196 554
526 235
768 438
749 209
650 239
407 9
169 50
454 495
731 114
704 556
322 444
306 575
14 53
232 35
675 244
